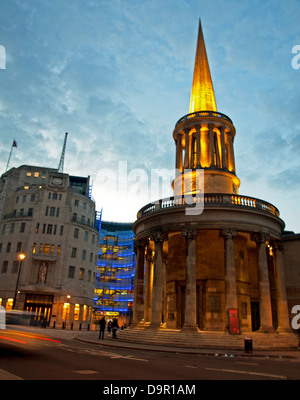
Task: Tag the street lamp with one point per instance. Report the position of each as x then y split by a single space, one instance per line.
21 257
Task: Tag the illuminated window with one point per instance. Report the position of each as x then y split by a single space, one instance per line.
58 250
52 249
9 304
76 312
28 174
26 187
81 273
36 174
66 311
34 248
84 314
46 248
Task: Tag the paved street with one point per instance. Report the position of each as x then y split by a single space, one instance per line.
36 354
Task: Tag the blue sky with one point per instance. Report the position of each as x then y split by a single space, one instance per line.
117 75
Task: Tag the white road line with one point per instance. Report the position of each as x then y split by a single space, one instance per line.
247 373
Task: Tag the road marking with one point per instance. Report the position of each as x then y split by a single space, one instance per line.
7 376
191 366
246 363
86 372
246 373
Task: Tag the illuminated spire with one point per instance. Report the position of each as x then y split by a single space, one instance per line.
202 96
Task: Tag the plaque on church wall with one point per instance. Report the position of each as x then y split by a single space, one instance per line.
233 321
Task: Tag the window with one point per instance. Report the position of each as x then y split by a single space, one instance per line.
19 247
49 229
0 247
81 274
4 267
83 255
47 210
36 174
214 304
73 253
32 198
61 230
244 311
22 229
15 267
76 312
12 227
54 231
89 275
52 211
76 233
86 236
52 249
91 257
44 228
76 202
71 273
28 174
54 196
84 206
30 212
58 250
24 198
8 246
37 227
46 248
33 248
57 212
3 229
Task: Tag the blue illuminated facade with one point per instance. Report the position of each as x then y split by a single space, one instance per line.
115 270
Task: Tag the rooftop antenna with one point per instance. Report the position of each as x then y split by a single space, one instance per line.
62 157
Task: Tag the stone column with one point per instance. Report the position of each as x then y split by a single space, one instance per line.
138 291
230 277
282 305
198 146
178 152
211 145
187 149
148 286
157 293
231 153
190 320
223 150
265 309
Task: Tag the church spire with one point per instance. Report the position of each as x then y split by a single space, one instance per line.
202 96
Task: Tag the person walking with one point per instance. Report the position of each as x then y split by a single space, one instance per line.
102 327
114 326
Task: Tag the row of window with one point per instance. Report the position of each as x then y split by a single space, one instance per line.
24 198
9 247
84 255
82 274
49 229
15 267
47 249
12 228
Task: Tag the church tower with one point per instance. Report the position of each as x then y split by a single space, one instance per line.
208 270
204 137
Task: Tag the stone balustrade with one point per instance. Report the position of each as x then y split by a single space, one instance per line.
209 200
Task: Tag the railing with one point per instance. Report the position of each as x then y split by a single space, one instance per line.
19 214
210 200
203 114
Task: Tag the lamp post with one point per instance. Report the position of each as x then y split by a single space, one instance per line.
21 257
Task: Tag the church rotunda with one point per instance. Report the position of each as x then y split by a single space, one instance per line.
208 258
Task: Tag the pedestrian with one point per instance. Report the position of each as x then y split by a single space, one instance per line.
114 326
102 327
109 326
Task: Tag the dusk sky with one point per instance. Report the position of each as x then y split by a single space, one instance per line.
117 75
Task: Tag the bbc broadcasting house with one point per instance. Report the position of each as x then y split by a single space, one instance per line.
48 246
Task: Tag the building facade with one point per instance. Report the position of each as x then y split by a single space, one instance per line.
115 275
216 255
49 217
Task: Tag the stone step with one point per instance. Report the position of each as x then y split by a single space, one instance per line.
203 339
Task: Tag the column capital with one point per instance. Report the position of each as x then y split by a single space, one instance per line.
138 243
158 236
190 233
260 237
277 245
197 126
228 233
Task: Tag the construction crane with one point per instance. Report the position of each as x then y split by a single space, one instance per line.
62 157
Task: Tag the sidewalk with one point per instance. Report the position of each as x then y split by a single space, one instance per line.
93 337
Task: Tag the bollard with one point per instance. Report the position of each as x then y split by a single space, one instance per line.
71 325
80 326
54 325
63 325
